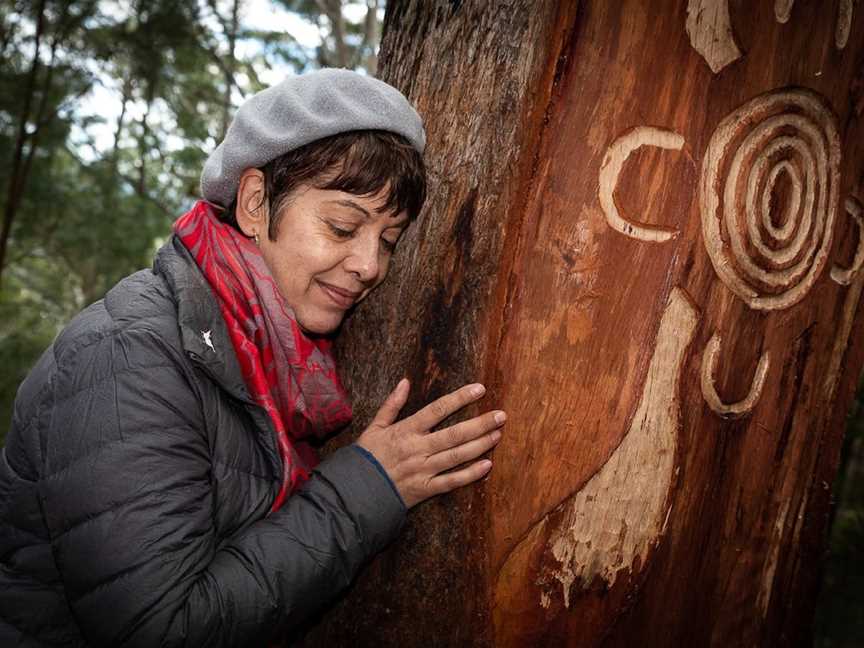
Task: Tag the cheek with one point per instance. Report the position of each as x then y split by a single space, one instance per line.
291 275
300 265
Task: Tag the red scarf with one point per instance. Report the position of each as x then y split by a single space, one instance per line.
291 376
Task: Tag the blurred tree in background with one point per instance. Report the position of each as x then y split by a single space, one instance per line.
108 110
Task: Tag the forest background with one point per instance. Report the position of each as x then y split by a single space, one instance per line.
108 109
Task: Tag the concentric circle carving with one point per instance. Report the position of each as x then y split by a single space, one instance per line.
768 196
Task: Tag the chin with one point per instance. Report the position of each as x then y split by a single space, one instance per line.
319 325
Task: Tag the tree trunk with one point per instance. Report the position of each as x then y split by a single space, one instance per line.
642 235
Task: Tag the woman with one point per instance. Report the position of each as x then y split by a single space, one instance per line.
158 486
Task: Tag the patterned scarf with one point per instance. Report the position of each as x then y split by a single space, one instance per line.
292 376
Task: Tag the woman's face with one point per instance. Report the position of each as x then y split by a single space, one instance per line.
332 248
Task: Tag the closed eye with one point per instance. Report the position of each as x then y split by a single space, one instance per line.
338 231
387 245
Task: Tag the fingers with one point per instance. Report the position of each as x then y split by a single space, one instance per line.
394 403
458 455
455 445
453 480
418 462
440 409
463 432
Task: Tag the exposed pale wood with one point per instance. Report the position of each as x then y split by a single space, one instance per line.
764 123
783 9
845 276
610 170
845 10
710 32
844 23
709 391
620 513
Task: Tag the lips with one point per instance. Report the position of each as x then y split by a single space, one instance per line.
339 296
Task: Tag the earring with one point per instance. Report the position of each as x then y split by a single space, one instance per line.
257 240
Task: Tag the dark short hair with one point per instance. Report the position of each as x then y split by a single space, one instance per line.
361 162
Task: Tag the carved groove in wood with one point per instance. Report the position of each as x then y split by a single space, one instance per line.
709 28
791 133
613 162
845 276
709 391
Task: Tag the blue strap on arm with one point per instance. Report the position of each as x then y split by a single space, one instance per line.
371 458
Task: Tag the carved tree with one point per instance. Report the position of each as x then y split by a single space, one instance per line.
643 236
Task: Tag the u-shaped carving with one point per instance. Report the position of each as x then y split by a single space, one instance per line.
844 276
709 391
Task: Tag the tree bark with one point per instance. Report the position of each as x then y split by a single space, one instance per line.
642 235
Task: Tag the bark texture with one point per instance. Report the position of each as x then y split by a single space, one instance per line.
643 236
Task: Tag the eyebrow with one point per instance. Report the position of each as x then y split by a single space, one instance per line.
353 205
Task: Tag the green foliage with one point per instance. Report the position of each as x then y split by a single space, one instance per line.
839 621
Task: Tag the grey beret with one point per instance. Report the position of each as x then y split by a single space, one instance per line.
300 110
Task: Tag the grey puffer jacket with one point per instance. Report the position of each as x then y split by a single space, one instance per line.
137 478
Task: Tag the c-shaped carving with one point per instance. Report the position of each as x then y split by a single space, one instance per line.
845 276
614 161
742 407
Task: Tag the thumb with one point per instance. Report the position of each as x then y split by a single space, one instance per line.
394 403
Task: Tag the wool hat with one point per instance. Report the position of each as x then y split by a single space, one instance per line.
299 110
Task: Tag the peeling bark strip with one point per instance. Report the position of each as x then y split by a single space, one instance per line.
709 391
789 131
846 276
614 161
621 511
710 32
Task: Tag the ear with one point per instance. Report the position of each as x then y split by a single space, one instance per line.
252 206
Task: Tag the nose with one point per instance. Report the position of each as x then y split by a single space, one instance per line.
362 260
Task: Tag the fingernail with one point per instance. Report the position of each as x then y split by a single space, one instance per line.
477 390
402 383
496 434
487 464
500 417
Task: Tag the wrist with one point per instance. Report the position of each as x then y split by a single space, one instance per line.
369 455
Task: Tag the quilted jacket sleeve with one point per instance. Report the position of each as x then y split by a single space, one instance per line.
128 501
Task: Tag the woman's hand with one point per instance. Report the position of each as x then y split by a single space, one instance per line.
414 457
